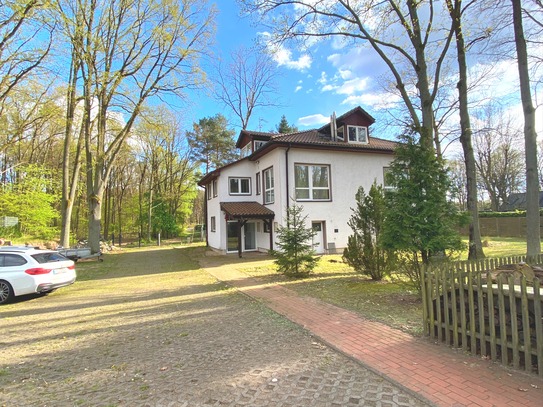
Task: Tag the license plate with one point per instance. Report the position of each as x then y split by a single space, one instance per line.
60 271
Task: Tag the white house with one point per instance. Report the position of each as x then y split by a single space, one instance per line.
320 170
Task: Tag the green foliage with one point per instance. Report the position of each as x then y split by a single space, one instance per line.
212 143
420 220
296 256
364 252
32 200
284 127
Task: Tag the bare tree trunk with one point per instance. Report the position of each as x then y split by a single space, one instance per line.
530 137
475 249
68 189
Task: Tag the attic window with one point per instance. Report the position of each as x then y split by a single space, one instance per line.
259 144
357 134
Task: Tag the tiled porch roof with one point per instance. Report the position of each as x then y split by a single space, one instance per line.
238 210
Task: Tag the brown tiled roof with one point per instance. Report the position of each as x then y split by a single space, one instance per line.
246 210
313 137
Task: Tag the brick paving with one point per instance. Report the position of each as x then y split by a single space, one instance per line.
143 331
442 375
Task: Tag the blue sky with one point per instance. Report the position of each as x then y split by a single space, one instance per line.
331 78
311 85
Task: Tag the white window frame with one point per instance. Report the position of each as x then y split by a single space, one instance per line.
259 144
268 187
359 132
340 130
215 188
239 179
208 190
310 188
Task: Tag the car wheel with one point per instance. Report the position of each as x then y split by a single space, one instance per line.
6 292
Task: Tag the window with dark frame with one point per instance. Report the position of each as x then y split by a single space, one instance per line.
239 186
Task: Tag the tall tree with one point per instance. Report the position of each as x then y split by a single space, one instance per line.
246 83
22 49
456 11
212 142
128 52
403 34
530 136
499 161
420 220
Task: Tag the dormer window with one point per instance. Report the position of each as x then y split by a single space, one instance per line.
259 144
357 134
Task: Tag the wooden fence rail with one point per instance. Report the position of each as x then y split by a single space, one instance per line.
496 315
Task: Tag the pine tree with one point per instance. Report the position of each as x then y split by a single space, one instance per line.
284 127
296 256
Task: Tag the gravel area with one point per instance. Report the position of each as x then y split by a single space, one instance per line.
152 329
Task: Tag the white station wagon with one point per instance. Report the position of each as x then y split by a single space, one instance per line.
27 270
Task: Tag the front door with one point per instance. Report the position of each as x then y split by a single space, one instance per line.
249 236
318 238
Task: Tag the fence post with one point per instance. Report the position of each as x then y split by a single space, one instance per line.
423 292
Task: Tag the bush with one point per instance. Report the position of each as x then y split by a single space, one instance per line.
364 252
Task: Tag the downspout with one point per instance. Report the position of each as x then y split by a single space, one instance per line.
205 215
287 184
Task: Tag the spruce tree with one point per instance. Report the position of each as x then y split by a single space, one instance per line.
296 256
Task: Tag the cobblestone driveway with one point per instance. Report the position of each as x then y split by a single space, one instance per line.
151 329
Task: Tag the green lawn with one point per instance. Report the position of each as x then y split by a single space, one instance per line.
391 302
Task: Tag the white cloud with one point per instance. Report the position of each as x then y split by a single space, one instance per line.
327 88
283 56
297 88
377 101
313 120
323 79
353 86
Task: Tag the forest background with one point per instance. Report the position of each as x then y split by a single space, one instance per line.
93 141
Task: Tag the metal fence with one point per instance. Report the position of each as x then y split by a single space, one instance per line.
497 315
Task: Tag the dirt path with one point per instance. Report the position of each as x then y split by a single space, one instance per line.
150 328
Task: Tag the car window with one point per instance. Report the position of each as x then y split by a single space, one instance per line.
48 257
11 260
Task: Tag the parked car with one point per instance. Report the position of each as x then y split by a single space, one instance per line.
27 270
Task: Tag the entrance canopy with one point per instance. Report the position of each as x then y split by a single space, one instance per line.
244 211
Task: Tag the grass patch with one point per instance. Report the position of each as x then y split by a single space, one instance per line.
391 302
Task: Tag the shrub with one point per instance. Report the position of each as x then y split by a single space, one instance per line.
364 252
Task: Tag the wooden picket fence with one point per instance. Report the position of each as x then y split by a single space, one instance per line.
505 326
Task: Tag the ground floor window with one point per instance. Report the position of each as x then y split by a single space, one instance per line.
248 236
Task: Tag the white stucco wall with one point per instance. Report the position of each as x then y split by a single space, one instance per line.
348 171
